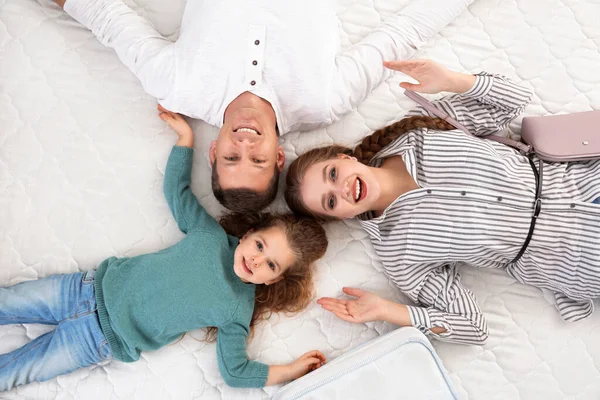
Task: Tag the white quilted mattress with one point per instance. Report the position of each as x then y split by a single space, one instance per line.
81 159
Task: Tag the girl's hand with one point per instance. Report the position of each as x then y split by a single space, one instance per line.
432 77
179 125
366 307
306 363
175 121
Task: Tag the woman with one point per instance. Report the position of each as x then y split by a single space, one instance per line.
430 196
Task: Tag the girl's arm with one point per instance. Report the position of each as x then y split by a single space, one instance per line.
359 70
148 54
184 205
456 317
238 371
484 103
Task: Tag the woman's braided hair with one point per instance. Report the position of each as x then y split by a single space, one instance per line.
379 139
364 152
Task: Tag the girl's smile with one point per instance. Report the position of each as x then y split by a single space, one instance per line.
263 256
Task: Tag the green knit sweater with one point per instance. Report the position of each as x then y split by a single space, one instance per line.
148 301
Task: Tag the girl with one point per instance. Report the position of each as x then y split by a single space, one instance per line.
209 279
430 196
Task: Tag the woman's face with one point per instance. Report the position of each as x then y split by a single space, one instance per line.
341 187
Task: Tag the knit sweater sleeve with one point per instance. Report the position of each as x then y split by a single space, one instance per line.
184 205
236 369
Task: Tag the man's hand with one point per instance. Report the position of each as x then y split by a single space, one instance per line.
61 3
432 77
366 307
179 125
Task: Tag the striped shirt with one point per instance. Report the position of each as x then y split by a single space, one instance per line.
474 205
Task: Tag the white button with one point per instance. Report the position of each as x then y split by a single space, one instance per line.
585 142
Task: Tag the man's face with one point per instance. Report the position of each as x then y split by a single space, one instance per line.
247 151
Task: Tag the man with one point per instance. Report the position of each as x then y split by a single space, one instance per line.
258 69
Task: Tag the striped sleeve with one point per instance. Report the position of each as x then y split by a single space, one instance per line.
446 303
486 108
573 310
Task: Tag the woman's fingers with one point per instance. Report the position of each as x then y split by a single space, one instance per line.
398 65
330 300
403 65
344 316
356 292
336 308
410 86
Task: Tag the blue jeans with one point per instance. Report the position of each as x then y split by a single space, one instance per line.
67 301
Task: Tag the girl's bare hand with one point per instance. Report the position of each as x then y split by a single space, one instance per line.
306 363
175 121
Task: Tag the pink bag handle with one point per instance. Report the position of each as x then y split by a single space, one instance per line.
522 147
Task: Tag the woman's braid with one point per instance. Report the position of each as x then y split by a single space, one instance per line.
376 141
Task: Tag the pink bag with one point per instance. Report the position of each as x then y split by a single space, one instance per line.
559 138
566 137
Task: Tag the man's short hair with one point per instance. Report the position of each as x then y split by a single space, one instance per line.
244 200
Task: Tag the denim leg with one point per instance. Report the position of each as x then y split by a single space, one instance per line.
68 301
48 300
75 343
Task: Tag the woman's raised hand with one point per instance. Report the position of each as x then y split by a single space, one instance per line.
366 307
431 77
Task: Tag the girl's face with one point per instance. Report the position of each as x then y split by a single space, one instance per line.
341 187
263 256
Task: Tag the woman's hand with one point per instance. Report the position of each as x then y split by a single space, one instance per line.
179 125
306 363
432 77
366 307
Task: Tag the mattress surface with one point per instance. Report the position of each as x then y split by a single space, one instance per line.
82 155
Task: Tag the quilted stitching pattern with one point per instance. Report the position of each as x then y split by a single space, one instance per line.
71 114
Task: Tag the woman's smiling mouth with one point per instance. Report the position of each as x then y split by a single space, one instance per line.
360 190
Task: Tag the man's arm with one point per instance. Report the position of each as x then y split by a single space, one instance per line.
139 46
360 69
